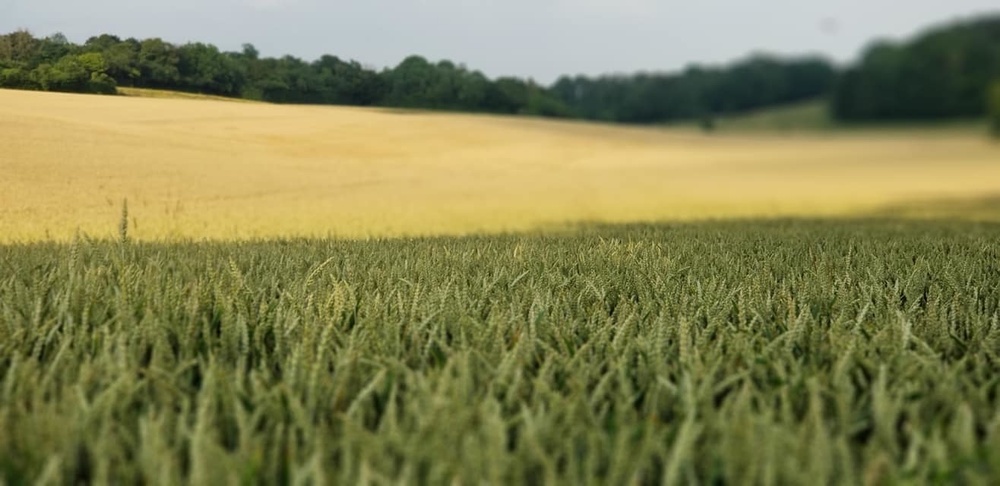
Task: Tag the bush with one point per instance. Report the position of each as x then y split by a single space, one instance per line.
68 75
101 83
994 109
74 74
541 103
16 78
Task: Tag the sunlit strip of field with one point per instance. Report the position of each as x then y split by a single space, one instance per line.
220 170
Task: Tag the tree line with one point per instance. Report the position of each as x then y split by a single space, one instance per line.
104 62
698 92
945 73
994 108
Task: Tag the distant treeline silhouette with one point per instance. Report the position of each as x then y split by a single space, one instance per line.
942 74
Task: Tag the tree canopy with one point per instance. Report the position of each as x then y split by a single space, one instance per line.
944 73
51 64
756 82
994 109
106 61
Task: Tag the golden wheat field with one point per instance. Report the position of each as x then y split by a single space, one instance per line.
215 169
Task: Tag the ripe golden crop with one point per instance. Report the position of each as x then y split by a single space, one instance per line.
219 170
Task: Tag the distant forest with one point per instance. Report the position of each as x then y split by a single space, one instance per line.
944 73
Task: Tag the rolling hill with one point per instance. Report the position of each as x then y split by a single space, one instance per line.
220 170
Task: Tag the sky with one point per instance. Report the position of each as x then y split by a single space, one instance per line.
539 39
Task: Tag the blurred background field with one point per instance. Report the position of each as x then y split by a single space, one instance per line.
213 169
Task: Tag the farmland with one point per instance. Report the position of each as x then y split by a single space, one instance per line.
323 295
784 352
222 170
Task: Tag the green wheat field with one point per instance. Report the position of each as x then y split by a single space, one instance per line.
754 352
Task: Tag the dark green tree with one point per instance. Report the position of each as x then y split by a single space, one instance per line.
84 73
411 84
994 109
943 73
753 83
17 78
54 63
202 68
122 57
19 47
347 83
53 48
157 63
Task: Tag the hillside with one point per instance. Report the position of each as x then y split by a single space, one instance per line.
214 169
813 116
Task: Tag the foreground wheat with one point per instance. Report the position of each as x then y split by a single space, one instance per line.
771 353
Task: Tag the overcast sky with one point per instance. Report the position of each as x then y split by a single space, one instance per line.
528 38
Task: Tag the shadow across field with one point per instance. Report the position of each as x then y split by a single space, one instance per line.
984 208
